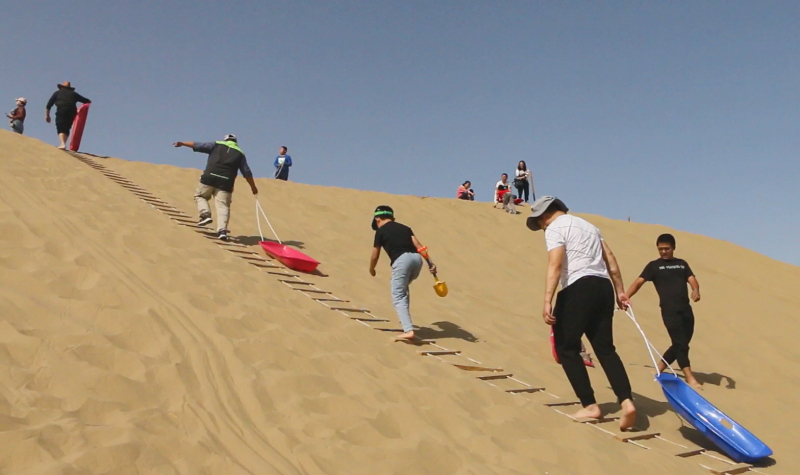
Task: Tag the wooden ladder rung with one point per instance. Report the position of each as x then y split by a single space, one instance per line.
330 300
282 274
495 376
364 319
592 420
689 453
267 266
298 282
626 438
560 404
354 310
439 353
467 367
733 469
312 291
524 390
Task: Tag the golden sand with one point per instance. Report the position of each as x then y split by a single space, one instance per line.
130 344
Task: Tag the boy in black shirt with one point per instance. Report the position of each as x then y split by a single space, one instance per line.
401 246
669 275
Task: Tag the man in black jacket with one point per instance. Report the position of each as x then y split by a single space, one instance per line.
66 101
225 160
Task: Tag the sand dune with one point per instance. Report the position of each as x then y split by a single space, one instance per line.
130 344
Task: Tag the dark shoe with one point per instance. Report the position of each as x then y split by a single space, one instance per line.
223 235
205 220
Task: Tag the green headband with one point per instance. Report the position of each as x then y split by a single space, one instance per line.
383 213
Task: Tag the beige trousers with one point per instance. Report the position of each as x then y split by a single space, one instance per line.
222 200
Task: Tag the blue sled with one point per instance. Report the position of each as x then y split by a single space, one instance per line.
736 441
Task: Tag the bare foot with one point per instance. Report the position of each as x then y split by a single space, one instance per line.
628 417
61 147
592 412
694 384
405 336
690 379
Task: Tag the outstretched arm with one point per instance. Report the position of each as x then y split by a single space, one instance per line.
373 260
183 144
635 286
695 288
616 276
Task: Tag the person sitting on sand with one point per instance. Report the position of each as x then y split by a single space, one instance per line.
669 275
16 118
465 191
583 262
66 101
401 246
503 194
225 161
282 164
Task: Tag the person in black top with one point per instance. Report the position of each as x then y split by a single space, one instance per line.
66 101
225 161
401 246
670 275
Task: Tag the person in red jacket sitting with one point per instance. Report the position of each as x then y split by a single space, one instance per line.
17 116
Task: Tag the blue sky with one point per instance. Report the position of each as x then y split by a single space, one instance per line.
679 113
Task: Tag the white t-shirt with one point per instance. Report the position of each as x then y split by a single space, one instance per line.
584 248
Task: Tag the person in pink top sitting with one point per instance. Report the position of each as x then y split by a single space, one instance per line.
465 191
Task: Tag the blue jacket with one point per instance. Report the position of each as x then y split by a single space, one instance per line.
286 164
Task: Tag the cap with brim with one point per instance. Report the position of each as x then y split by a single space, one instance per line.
381 212
65 85
539 207
22 100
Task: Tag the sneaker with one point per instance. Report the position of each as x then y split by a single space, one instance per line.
223 235
204 220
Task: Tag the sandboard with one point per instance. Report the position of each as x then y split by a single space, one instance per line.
77 127
736 441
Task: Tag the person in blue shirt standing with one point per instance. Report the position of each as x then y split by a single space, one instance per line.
282 164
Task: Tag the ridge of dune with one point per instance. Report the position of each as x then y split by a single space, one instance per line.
129 344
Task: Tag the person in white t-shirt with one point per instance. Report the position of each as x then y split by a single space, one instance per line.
502 193
583 263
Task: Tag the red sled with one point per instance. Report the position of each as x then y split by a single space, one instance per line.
77 127
587 358
291 258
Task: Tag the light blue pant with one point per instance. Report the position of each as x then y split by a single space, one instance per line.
17 126
404 270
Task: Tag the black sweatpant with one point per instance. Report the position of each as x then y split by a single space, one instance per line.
680 326
587 307
524 190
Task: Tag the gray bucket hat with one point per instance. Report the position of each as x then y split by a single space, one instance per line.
539 207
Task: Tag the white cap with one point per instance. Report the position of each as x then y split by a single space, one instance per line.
230 137
22 100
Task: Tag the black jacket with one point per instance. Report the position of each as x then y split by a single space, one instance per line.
66 101
224 163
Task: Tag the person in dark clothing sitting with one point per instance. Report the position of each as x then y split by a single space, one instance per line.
66 101
225 161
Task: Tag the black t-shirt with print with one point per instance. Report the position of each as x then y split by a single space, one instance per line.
670 279
395 239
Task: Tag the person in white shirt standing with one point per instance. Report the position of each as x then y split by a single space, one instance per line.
582 261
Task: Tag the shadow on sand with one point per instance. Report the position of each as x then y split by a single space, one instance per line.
446 330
